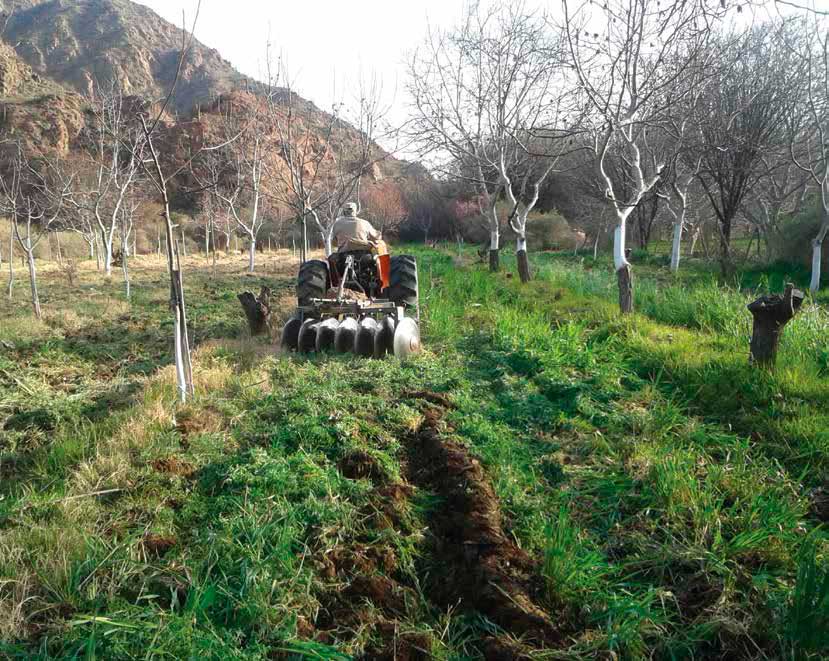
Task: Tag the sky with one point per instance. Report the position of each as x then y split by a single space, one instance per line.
327 45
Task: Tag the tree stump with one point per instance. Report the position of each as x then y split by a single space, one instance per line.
625 278
771 314
257 311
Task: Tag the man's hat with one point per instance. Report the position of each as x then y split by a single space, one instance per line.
350 209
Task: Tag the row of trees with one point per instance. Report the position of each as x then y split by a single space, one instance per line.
634 110
250 161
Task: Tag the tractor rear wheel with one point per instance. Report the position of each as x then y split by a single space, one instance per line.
313 281
403 285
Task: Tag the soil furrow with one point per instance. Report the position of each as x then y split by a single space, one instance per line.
475 565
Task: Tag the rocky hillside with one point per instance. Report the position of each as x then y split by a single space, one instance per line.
36 110
79 42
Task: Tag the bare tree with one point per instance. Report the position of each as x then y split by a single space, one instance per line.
239 168
679 184
740 120
633 61
115 150
10 285
34 198
387 207
481 93
323 157
127 215
809 124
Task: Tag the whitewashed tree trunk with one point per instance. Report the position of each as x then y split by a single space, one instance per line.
622 265
10 288
676 248
30 259
107 242
252 254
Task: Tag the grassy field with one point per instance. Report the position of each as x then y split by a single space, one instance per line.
547 481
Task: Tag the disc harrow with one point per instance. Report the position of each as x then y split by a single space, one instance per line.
371 324
367 329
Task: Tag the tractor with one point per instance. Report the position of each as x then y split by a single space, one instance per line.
358 302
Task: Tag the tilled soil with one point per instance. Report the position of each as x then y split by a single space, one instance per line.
470 562
474 564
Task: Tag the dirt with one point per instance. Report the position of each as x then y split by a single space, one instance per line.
819 504
191 421
438 399
157 545
503 649
174 466
399 646
697 594
475 565
360 465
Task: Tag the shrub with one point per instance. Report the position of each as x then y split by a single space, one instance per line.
550 231
797 234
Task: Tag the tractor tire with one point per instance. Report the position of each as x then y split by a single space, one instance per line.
313 281
403 285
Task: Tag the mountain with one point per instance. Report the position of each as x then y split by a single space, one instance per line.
53 53
35 109
78 42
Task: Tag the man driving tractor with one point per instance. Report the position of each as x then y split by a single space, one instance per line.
357 238
354 234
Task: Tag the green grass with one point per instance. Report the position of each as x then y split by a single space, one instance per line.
661 483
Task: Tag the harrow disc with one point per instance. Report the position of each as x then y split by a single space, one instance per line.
407 339
307 340
364 341
327 334
346 335
384 338
290 334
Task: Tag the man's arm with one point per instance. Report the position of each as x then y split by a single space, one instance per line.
372 233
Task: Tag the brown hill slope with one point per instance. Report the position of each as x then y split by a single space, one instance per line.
78 42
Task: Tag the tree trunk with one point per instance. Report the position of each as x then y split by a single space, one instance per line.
623 272
817 253
125 267
771 314
523 261
183 244
107 257
257 311
676 249
329 244
817 256
726 265
252 255
57 245
30 258
494 253
11 264
694 237
303 248
625 279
